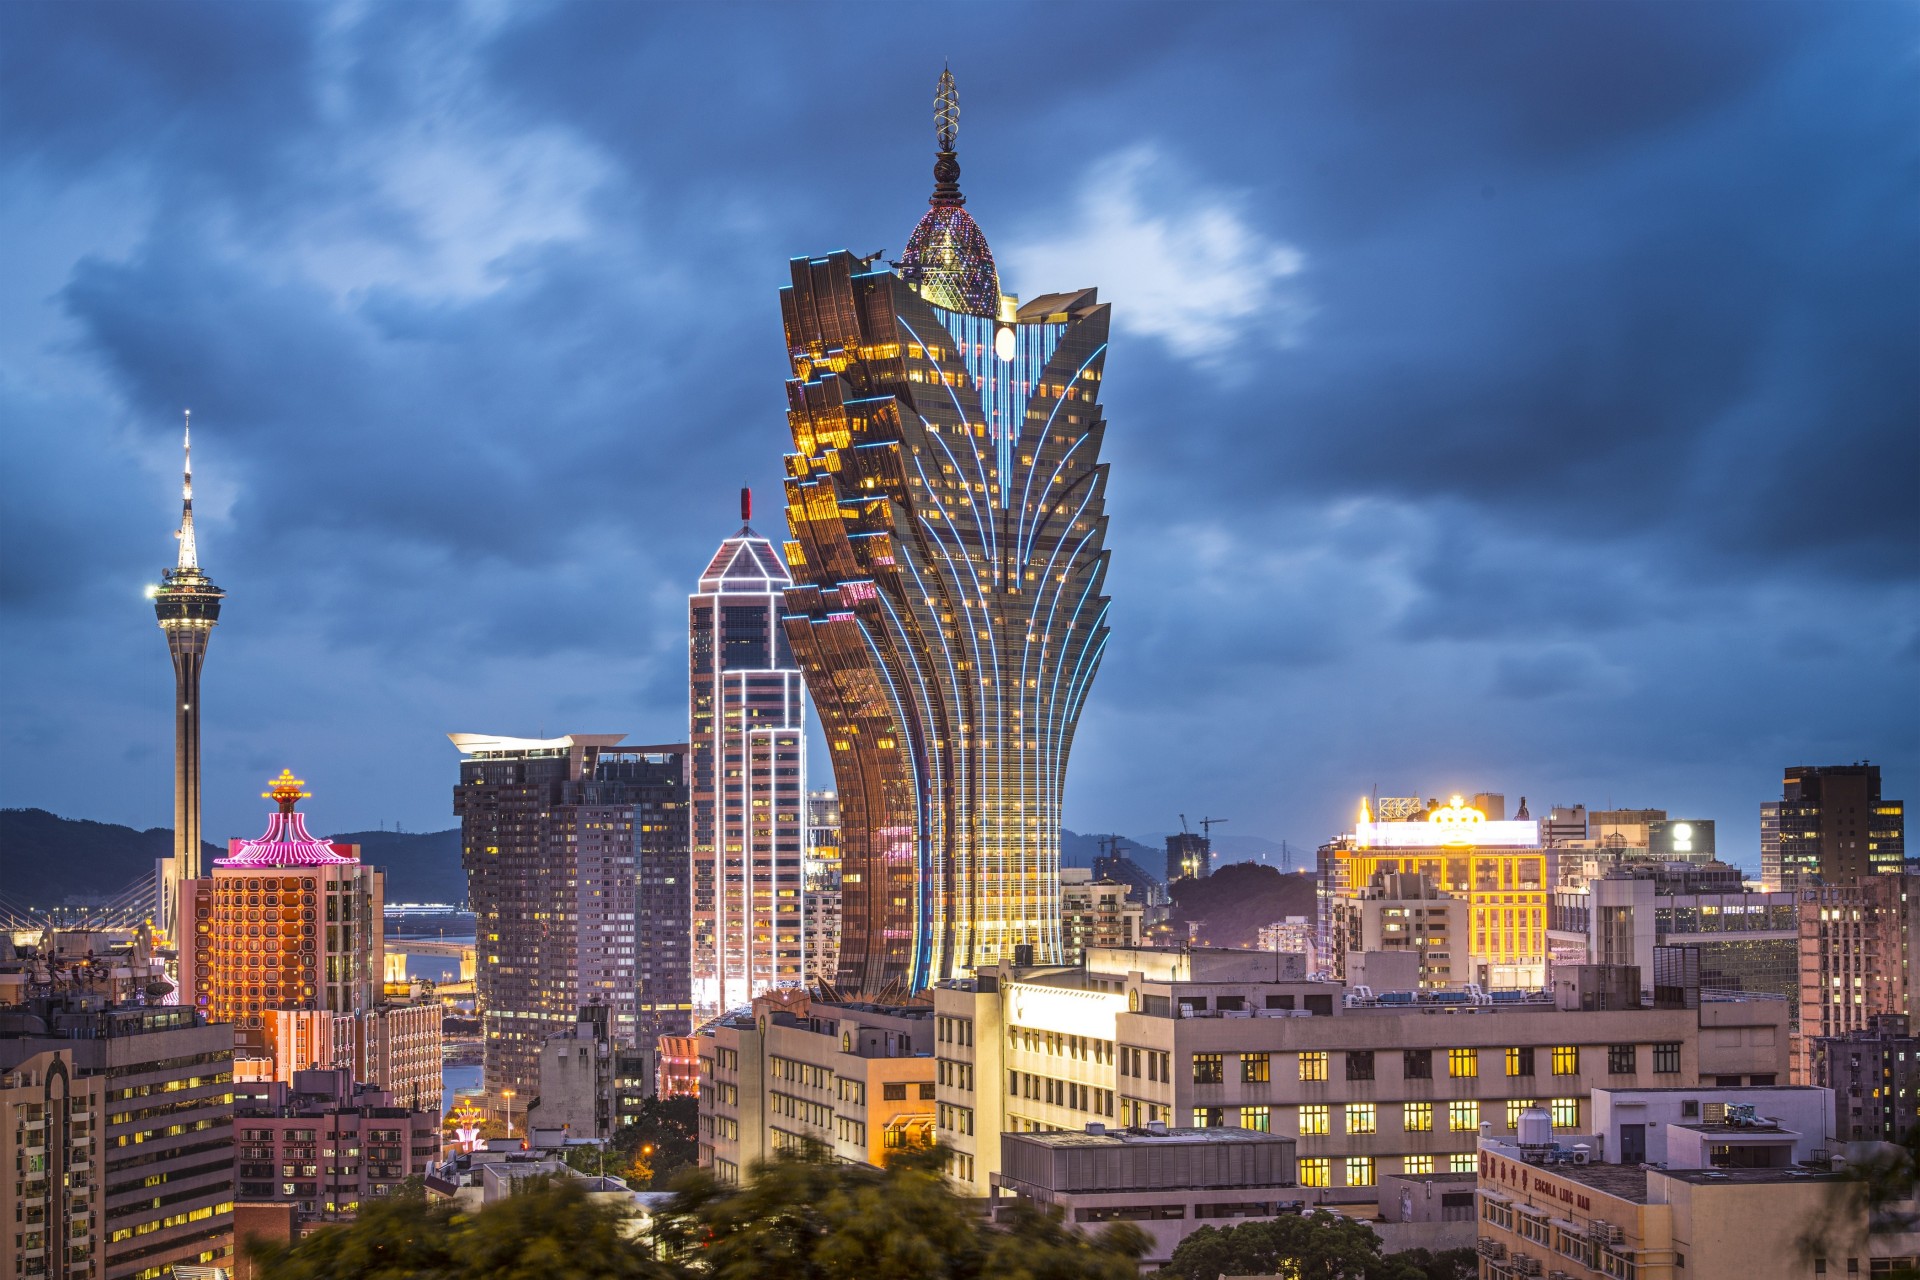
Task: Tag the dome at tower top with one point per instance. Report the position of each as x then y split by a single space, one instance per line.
948 261
947 258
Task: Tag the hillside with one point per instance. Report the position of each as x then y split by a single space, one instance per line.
46 859
1077 850
1238 899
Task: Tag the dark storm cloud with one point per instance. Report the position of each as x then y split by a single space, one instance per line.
1500 397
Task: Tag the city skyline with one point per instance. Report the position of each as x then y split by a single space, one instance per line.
1559 561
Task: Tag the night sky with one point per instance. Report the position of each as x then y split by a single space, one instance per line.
1520 398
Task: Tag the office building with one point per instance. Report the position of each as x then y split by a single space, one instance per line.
1874 1074
1294 935
1770 845
1859 944
823 887
1169 1182
187 606
1730 1190
1367 1086
747 730
1746 941
284 921
856 1079
1189 855
947 506
1498 867
1405 912
328 1145
557 836
1564 824
116 1132
1835 826
393 1047
1096 913
577 1080
1624 828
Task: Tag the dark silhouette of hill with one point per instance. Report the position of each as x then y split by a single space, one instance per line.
1237 900
46 859
421 866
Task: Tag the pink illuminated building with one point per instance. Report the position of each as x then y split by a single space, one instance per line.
284 922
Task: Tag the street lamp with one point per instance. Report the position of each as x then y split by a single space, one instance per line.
508 1095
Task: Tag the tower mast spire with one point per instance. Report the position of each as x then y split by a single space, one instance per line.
946 128
189 552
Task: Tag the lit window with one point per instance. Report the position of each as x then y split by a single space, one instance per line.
1514 1107
1419 1164
1256 1068
1566 1060
1313 1065
1316 1171
1360 1117
1258 1118
1520 1062
1462 1163
1463 1117
1208 1069
1359 1171
1418 1117
1566 1113
1463 1063
1315 1120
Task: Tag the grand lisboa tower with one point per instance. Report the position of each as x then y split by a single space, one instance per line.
947 507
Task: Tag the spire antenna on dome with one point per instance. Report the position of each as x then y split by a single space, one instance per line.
285 791
946 126
189 550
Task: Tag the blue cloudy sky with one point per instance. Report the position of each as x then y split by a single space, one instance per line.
1506 397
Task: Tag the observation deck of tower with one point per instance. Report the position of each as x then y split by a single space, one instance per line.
946 506
187 605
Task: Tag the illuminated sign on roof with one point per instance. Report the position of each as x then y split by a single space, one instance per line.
1452 825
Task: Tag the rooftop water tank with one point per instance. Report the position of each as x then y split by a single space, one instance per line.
1535 1127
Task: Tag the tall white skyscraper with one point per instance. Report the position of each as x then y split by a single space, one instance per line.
747 730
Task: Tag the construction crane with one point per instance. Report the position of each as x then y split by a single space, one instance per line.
1207 825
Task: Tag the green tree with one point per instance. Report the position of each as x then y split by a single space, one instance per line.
663 1138
1314 1246
802 1217
545 1230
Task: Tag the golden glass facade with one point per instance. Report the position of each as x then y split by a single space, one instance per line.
1506 893
947 506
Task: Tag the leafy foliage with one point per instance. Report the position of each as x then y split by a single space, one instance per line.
1315 1246
548 1229
800 1218
804 1218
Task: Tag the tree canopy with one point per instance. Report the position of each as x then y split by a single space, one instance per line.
1316 1246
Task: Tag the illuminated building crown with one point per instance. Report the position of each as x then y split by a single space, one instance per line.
947 258
1458 823
286 841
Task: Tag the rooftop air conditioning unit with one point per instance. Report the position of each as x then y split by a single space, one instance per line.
1526 1264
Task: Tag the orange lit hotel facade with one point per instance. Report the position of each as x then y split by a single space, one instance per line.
1498 867
284 922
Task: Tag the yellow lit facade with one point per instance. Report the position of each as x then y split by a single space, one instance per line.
1505 885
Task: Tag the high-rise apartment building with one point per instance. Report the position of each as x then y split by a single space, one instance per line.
747 729
1835 827
1405 911
1189 855
1097 912
285 921
823 887
1859 945
116 1135
1564 824
187 605
328 1144
1770 845
1874 1073
557 836
947 505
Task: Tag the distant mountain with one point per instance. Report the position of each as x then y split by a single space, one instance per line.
46 859
421 866
1078 850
